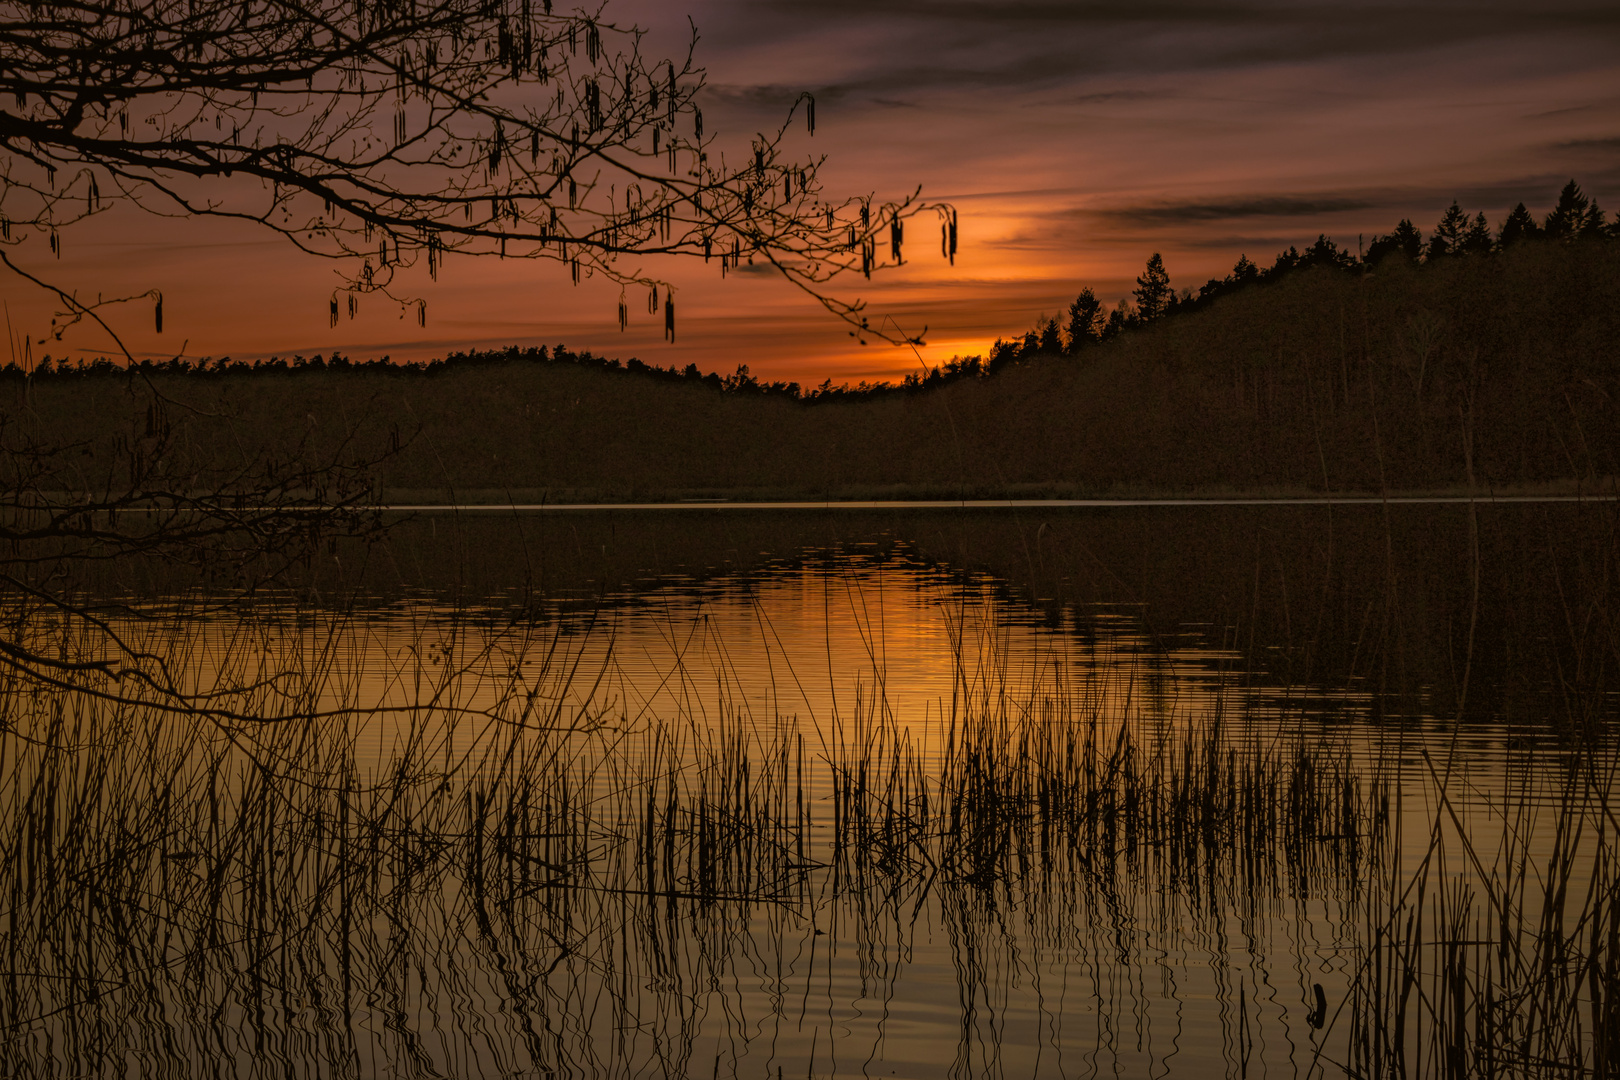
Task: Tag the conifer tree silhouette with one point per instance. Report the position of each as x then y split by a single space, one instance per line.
1118 320
1085 321
1575 217
1285 263
1327 253
1518 226
1152 290
1477 240
1406 241
1449 233
1051 340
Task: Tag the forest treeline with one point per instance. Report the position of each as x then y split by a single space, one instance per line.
1088 321
1575 217
1452 369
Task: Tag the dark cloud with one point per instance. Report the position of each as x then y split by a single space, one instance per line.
1270 206
1422 205
1449 16
898 79
1033 42
1603 146
1101 97
771 95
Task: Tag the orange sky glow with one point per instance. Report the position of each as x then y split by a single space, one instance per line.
1074 139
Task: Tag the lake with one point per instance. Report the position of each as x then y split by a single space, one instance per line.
1035 790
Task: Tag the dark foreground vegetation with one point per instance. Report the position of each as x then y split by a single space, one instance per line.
507 868
1492 369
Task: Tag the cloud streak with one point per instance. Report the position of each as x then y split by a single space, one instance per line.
1255 206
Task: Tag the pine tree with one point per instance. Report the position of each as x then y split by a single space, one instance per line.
1477 240
1575 216
1245 271
1287 261
1593 227
1449 233
1406 241
1118 320
1051 342
1519 225
1085 321
1327 253
1152 290
1002 354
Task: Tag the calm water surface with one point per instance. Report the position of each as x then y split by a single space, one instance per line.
801 835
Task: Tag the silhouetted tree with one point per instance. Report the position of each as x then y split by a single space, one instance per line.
1518 226
1477 240
1449 233
1243 273
377 135
1152 290
1051 339
1327 253
1575 217
1085 321
1406 241
1002 354
381 134
1119 320
1285 263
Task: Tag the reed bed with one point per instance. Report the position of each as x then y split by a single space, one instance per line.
470 880
1491 939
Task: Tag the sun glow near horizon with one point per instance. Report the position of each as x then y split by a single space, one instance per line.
1184 134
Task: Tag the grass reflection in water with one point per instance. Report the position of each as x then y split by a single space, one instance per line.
1124 862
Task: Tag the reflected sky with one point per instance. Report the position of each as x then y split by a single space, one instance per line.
361 944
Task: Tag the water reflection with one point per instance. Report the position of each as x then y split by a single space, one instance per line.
845 816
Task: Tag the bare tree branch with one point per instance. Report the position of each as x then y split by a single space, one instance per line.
382 134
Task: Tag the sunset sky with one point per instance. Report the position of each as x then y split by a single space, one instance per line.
1075 139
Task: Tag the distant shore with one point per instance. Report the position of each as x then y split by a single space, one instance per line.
424 499
1488 375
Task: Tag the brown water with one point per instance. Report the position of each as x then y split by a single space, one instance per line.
775 855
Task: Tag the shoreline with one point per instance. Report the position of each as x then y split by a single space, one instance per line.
985 504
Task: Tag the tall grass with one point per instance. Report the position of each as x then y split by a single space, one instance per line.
476 885
463 856
1492 948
